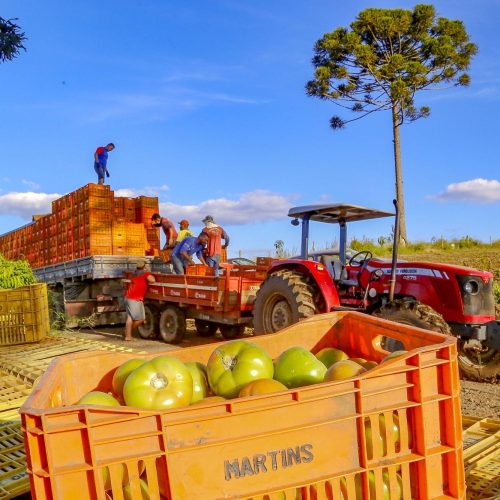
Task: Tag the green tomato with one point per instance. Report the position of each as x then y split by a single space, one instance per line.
159 384
127 491
234 364
297 367
200 383
393 355
330 355
98 398
122 372
397 493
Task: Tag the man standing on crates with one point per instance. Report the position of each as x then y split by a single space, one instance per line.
101 161
134 298
214 248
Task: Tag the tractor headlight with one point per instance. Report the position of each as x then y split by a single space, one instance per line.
471 287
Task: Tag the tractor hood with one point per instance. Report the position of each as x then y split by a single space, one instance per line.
435 268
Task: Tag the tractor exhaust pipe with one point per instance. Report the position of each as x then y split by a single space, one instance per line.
395 246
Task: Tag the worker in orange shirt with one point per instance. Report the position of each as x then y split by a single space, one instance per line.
214 247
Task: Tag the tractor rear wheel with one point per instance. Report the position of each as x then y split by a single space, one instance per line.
284 298
149 329
172 324
479 365
412 313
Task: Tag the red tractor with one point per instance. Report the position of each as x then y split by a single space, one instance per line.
440 297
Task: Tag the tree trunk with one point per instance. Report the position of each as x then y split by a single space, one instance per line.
399 174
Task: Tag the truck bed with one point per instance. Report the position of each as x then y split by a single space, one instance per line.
95 267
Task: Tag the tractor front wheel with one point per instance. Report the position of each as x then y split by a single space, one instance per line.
481 365
412 313
284 298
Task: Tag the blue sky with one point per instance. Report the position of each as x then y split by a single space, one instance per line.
205 102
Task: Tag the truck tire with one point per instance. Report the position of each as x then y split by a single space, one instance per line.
149 329
205 328
284 298
412 313
172 325
480 366
231 331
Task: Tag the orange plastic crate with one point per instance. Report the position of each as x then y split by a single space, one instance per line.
308 443
147 202
199 270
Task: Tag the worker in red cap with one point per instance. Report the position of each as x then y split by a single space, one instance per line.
184 231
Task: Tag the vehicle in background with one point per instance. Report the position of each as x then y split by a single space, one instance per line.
440 297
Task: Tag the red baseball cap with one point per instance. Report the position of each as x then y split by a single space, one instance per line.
184 222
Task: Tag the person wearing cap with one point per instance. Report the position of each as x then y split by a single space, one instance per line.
134 298
168 229
182 253
214 247
184 231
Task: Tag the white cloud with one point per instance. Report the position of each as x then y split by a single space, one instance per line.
251 207
26 204
254 206
479 190
145 191
126 193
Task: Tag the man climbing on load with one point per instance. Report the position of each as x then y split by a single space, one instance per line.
168 229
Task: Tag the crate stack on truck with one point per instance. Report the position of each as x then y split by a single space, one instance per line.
86 222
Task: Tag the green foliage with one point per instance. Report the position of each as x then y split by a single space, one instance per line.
496 292
15 273
386 57
383 245
11 39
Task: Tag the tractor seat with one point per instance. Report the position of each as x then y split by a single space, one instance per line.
332 263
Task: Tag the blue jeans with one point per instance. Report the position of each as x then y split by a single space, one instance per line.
99 170
213 262
179 264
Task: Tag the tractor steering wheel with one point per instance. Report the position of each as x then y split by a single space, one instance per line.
354 262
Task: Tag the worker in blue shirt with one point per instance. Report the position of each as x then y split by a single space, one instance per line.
182 252
101 161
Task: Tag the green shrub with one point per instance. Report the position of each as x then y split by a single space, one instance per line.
496 292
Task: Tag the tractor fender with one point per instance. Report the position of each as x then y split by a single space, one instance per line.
317 272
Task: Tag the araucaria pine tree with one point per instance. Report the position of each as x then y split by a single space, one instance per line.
383 60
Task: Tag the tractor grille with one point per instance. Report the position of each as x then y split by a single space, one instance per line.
480 302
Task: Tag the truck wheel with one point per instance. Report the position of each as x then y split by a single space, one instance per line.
232 331
412 313
481 366
284 298
205 328
149 329
172 325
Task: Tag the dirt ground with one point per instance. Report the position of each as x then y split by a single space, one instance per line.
478 399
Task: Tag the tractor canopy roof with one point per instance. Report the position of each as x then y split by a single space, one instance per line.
333 213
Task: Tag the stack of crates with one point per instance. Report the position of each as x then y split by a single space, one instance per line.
133 218
93 217
88 221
